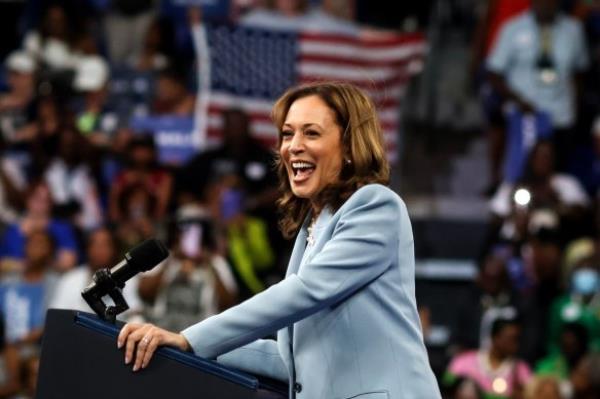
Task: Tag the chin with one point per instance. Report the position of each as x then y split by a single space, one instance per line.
301 192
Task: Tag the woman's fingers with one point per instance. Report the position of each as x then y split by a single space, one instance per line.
125 331
132 339
143 346
143 340
152 345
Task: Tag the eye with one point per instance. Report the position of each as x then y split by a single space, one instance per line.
312 133
286 134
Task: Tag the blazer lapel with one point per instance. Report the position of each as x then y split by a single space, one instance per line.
284 338
298 251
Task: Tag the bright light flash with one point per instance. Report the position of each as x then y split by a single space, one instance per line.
522 197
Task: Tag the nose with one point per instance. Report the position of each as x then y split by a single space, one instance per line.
296 144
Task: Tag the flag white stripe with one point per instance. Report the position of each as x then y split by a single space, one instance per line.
332 71
360 52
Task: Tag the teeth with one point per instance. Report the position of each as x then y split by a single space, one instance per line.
300 165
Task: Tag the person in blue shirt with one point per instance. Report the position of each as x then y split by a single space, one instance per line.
37 217
24 296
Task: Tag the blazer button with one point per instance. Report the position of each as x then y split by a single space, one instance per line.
297 387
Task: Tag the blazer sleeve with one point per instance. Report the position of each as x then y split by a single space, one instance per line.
260 357
363 242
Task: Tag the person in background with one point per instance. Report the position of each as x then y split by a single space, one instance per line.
25 295
581 303
546 387
587 167
172 96
537 63
248 246
13 183
333 16
41 135
154 55
38 217
585 379
125 27
142 170
30 371
94 117
195 282
107 163
490 297
330 16
497 371
71 184
36 143
102 251
51 44
462 388
241 155
538 275
491 18
278 15
18 104
138 222
574 343
9 365
240 168
544 187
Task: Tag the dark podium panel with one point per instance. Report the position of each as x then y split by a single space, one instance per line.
80 360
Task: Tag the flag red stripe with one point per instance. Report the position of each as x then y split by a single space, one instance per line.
357 62
372 42
363 84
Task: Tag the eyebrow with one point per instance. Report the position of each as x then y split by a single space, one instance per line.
304 126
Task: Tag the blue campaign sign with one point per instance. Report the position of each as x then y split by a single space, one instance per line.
523 131
173 136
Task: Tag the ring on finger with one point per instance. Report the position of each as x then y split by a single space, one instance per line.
146 340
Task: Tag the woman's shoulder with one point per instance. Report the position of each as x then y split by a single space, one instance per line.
375 196
374 192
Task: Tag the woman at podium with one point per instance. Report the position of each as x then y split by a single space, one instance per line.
345 315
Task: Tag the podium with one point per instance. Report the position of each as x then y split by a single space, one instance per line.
80 359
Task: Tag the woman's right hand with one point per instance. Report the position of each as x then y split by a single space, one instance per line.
144 339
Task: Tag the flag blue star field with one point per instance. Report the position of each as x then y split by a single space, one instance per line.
251 67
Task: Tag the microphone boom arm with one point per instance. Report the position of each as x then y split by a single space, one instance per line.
105 283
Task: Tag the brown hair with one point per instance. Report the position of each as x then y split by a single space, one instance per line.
362 144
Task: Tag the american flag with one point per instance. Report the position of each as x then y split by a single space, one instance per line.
250 68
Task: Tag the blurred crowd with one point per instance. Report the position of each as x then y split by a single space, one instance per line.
530 328
79 186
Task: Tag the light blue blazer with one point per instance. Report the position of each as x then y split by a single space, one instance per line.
345 314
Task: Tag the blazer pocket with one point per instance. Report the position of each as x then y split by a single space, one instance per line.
371 395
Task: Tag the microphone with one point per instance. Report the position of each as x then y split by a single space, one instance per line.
141 258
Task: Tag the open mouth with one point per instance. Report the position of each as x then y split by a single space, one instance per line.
302 170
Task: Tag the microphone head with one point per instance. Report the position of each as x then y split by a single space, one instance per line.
146 255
